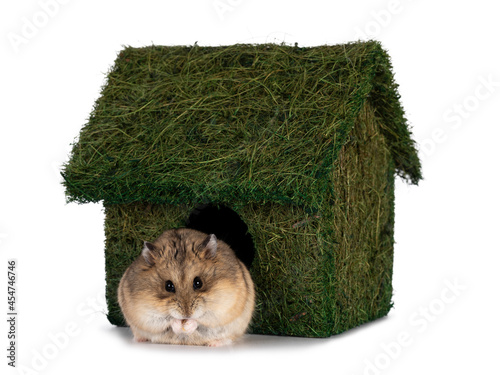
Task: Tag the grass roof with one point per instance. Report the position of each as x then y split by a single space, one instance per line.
241 123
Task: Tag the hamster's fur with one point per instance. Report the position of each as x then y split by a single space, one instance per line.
188 288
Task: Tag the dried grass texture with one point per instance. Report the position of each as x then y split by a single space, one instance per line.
247 123
303 143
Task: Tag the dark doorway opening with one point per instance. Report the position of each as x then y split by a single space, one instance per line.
227 225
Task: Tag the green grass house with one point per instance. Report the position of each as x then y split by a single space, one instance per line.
287 153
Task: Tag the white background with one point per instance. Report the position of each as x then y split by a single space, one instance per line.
446 59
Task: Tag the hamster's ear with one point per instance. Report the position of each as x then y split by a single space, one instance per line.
149 253
208 247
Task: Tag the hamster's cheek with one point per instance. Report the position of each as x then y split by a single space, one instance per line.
199 311
156 322
150 304
152 316
219 305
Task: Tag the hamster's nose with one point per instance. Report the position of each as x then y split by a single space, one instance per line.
186 310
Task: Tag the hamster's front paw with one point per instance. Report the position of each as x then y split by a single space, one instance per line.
138 337
221 342
184 326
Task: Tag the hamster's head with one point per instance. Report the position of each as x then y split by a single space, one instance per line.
188 275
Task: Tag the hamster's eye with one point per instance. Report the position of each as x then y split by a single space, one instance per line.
197 284
169 286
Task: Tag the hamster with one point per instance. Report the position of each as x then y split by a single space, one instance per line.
187 287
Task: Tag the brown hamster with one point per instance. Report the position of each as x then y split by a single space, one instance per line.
187 287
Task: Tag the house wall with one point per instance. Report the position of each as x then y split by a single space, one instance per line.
317 272
287 270
363 233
